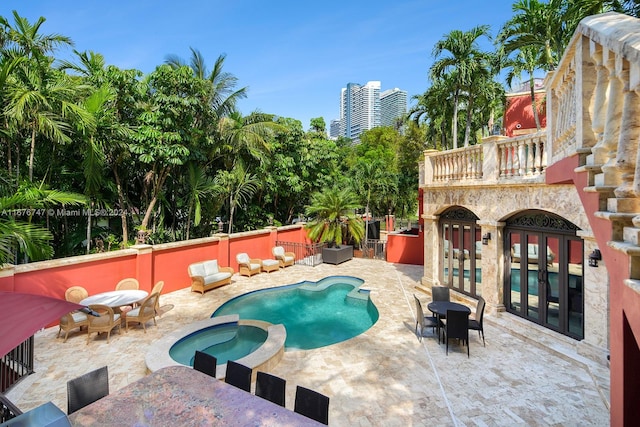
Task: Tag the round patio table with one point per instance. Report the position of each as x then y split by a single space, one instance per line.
439 308
116 298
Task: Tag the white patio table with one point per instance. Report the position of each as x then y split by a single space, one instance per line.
116 298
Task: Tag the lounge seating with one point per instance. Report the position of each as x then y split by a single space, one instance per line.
286 258
86 389
144 312
207 275
106 322
248 266
269 265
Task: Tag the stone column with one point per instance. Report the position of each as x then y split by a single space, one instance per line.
493 266
432 255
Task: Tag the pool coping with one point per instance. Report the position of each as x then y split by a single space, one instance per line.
264 358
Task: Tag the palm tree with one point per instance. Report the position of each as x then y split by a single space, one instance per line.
334 220
526 61
238 186
435 108
200 186
462 62
539 26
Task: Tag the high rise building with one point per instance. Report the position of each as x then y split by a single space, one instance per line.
393 105
363 107
359 109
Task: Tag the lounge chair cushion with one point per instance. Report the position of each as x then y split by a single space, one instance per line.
196 269
270 262
210 267
243 259
216 277
278 251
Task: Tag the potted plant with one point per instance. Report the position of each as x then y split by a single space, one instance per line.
334 223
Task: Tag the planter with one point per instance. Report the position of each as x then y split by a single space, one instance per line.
337 255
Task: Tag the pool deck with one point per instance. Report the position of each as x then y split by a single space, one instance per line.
384 377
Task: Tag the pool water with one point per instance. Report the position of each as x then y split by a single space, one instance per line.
228 341
315 314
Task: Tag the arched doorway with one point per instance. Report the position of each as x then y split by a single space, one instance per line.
544 271
460 239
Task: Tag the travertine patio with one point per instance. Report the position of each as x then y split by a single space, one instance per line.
384 377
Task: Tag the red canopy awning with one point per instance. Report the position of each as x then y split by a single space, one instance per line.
21 315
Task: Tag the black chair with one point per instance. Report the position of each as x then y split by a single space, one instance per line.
205 363
457 326
238 375
423 321
270 387
87 389
476 324
312 405
440 293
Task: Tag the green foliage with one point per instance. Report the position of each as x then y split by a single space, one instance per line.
334 220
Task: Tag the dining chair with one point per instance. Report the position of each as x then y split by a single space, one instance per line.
128 283
205 363
476 323
238 375
70 321
423 321
143 313
271 387
457 326
440 293
75 294
105 322
157 288
87 388
312 405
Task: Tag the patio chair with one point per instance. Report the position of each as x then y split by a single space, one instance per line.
87 388
440 293
157 288
248 266
205 363
457 326
238 375
286 258
476 323
75 319
312 405
423 321
70 321
106 322
270 387
129 283
144 312
75 294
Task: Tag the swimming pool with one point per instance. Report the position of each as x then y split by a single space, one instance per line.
314 314
229 341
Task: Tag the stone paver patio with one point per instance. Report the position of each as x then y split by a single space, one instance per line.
384 377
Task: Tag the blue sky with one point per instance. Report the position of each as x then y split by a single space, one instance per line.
294 56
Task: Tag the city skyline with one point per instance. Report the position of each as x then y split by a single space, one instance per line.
292 56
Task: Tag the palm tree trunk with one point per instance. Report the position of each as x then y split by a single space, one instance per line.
123 214
89 229
467 130
454 119
231 209
159 183
534 104
33 151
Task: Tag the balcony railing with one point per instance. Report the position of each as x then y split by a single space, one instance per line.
16 364
497 158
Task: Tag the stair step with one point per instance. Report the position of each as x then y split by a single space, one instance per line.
625 247
600 189
615 216
626 205
631 235
603 179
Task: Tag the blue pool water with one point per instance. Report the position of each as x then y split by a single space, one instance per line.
315 314
228 341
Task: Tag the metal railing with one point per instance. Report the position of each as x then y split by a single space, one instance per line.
16 364
7 409
374 249
309 254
